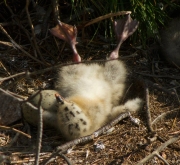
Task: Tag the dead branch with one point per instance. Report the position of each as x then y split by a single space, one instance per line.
158 76
159 87
6 43
33 34
164 115
148 113
18 46
15 130
56 9
61 149
159 149
52 68
106 16
40 130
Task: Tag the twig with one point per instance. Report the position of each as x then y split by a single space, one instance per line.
18 46
4 68
33 34
44 27
160 157
16 95
61 149
6 43
40 130
13 140
160 88
159 149
55 9
49 69
12 76
66 159
32 96
15 130
148 113
166 114
106 16
158 76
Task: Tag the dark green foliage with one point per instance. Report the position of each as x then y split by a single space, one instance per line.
148 12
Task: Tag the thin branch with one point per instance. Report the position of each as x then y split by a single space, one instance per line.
148 113
106 16
18 46
160 88
40 130
32 32
61 149
166 114
159 149
158 76
51 68
55 9
160 157
66 159
6 43
12 76
15 130
31 97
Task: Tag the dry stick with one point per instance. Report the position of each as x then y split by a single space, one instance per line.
12 76
16 95
55 4
33 34
40 129
32 96
7 23
44 27
12 14
51 68
160 157
106 16
61 149
15 130
6 43
17 22
159 149
4 68
160 88
18 46
47 69
66 159
148 113
166 114
13 140
179 105
158 76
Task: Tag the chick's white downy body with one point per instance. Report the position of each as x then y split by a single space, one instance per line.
91 97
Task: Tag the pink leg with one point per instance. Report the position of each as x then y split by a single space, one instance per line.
123 29
67 33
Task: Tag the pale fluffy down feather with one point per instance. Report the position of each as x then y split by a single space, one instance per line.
92 94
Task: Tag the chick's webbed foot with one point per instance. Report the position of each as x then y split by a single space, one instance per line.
67 33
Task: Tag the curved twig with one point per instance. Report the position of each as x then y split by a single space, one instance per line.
61 149
15 130
40 129
159 149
